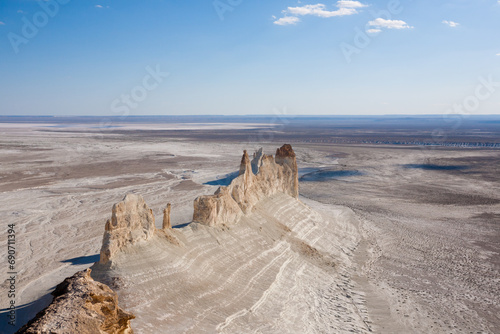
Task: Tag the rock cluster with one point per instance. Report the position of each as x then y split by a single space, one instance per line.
262 177
81 305
132 220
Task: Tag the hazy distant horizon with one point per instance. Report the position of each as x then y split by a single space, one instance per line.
464 116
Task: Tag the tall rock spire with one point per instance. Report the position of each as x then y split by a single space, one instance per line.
166 217
285 156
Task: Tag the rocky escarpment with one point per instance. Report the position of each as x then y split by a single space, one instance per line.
81 305
262 177
133 221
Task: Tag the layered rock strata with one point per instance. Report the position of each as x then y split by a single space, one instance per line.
81 305
274 175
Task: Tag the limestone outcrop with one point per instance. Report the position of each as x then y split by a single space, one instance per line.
263 176
273 175
131 221
81 305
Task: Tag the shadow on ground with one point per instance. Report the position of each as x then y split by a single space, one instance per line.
82 260
325 175
435 167
225 181
23 314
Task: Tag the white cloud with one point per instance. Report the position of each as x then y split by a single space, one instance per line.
389 24
98 6
373 31
319 10
351 4
498 54
20 11
451 23
345 7
287 20
1 23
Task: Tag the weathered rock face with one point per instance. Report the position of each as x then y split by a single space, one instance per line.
285 156
228 204
81 305
256 161
131 221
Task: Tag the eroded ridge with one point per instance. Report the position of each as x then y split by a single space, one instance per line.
262 177
133 221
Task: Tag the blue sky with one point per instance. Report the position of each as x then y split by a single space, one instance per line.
111 57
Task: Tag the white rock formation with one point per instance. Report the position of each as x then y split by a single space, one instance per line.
131 221
272 265
275 175
283 268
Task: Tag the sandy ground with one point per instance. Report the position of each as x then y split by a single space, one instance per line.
431 229
421 248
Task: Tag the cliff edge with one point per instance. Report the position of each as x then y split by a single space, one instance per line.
81 305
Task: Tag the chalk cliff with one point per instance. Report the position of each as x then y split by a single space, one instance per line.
263 176
273 175
81 305
131 221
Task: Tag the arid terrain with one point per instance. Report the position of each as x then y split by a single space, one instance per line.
394 231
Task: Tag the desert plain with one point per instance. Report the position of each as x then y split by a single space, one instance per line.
404 224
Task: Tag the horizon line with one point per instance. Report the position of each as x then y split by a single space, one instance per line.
253 115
